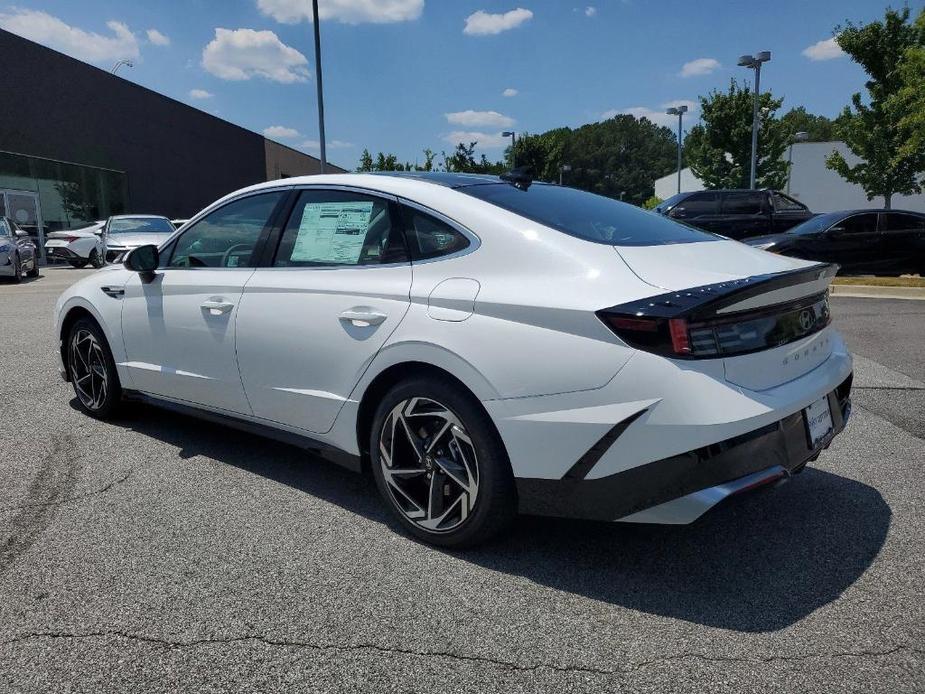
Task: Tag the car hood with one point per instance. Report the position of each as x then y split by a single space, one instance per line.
80 233
762 240
685 265
135 240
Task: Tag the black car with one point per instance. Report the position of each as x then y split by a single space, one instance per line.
886 242
18 256
736 213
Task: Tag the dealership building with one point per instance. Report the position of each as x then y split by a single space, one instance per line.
78 144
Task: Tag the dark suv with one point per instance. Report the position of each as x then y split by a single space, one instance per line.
736 213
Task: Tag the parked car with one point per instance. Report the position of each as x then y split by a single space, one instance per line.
18 255
884 242
124 232
78 246
178 222
482 345
736 214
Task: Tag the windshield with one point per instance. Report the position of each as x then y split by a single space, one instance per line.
815 225
587 216
140 225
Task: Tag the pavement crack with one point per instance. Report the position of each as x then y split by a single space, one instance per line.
888 387
520 667
76 497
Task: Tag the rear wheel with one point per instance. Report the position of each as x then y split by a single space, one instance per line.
34 272
92 370
95 259
440 465
17 269
77 264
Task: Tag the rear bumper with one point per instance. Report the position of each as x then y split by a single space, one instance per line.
680 488
62 252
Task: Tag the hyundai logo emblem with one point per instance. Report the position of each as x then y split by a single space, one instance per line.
807 319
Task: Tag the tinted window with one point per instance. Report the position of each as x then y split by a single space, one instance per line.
227 236
696 205
140 225
897 221
428 237
339 228
782 203
587 216
4 229
858 224
666 205
742 203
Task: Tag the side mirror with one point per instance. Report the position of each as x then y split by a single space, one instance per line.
836 230
21 233
143 259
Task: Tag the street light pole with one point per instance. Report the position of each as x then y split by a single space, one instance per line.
678 111
127 63
511 134
562 169
797 137
753 62
323 154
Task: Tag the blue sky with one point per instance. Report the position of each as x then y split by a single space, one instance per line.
402 75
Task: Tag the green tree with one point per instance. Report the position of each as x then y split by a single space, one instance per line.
881 132
818 128
719 150
366 161
463 160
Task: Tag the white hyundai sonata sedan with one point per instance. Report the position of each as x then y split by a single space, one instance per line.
482 345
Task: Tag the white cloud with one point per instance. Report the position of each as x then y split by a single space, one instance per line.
344 11
700 66
480 119
50 31
659 117
200 94
824 50
510 91
482 23
590 11
245 53
157 38
314 147
484 140
281 132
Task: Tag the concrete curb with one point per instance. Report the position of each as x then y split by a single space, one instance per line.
871 292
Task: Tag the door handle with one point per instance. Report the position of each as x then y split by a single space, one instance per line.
363 317
216 307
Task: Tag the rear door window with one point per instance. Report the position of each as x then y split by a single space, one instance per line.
782 203
743 203
858 224
898 221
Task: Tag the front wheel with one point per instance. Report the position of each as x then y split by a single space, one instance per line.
34 272
92 370
77 264
440 465
17 269
95 259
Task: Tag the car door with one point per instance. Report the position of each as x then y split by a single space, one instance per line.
7 246
903 240
787 212
179 326
311 322
700 210
744 214
24 242
854 243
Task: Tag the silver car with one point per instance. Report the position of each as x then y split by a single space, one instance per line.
18 256
124 232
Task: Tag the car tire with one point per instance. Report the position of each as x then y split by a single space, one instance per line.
17 270
92 370
95 259
34 272
78 264
440 464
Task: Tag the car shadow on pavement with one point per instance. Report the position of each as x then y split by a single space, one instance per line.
757 562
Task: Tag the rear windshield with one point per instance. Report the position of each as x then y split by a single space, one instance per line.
140 225
587 216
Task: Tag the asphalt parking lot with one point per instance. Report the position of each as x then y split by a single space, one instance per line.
159 553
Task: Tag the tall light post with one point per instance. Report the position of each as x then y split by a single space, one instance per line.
678 111
511 134
127 63
753 62
565 168
797 137
322 153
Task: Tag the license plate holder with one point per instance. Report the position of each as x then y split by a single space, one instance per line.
818 419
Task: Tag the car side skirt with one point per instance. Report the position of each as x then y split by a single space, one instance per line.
782 445
319 448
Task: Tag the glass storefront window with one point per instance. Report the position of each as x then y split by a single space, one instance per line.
68 195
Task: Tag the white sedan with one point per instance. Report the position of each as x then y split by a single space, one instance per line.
481 345
78 246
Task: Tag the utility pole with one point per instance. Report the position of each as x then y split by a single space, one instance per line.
678 111
324 158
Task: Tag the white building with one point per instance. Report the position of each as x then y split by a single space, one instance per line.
816 186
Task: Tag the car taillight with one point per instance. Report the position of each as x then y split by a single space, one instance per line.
663 336
70 239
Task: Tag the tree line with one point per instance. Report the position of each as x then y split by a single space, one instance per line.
622 156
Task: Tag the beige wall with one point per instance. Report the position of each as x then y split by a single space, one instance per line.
283 161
